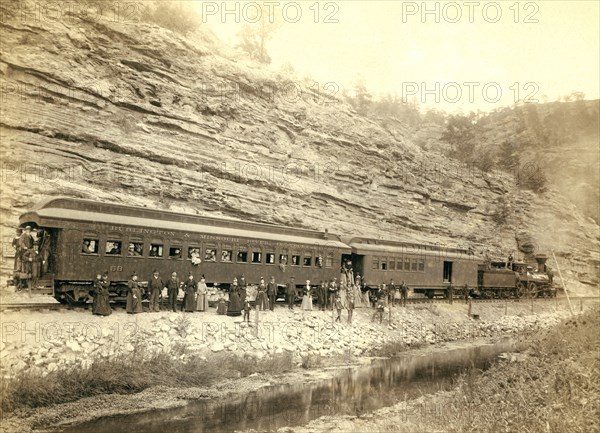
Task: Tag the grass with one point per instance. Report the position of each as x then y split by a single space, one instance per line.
130 373
554 386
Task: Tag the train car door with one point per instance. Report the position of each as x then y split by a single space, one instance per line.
447 276
357 264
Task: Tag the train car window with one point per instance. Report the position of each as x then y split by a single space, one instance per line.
392 265
227 254
307 261
319 261
283 259
329 260
242 255
295 260
210 254
113 248
194 255
375 263
414 265
174 252
421 265
135 249
270 258
256 257
156 250
407 264
90 246
383 264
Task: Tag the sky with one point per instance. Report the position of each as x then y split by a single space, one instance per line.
454 56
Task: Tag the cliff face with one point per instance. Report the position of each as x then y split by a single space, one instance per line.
135 114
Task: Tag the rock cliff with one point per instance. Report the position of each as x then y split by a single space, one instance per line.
133 113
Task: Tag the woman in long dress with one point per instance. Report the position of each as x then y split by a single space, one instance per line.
134 296
202 300
358 298
222 306
235 307
262 302
307 298
190 286
101 304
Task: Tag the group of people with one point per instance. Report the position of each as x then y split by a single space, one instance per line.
32 252
347 294
195 293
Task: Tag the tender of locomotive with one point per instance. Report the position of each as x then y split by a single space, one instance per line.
89 237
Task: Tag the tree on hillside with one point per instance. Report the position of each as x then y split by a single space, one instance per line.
508 157
255 35
460 134
362 97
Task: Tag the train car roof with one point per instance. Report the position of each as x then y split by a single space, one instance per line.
366 246
51 212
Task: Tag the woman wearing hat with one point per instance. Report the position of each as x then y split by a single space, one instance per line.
307 298
101 304
262 303
202 300
189 300
134 296
235 307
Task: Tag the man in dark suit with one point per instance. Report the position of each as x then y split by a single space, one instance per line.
173 290
272 293
155 286
290 293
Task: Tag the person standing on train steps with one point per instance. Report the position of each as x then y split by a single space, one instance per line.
134 296
189 299
173 291
272 293
155 287
290 293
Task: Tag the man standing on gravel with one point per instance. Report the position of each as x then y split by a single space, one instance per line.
404 293
155 286
290 293
173 290
272 293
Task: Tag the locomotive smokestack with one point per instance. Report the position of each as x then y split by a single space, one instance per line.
541 261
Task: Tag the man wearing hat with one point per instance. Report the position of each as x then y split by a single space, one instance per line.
272 293
134 296
155 286
173 290
290 293
333 289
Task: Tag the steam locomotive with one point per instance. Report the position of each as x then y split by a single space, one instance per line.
84 238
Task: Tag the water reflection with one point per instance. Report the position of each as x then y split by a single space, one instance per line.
354 391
